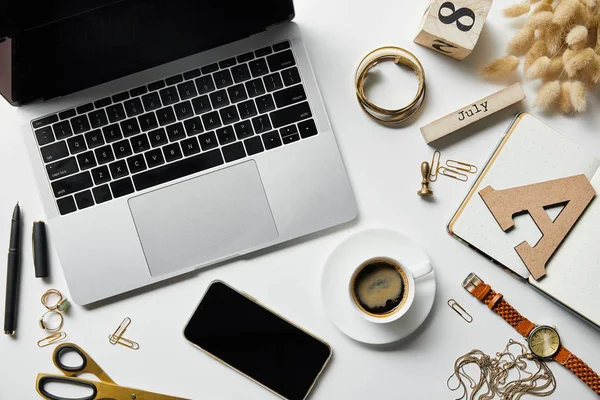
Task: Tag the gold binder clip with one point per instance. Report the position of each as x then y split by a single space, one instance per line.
51 339
462 166
460 310
435 166
117 336
451 173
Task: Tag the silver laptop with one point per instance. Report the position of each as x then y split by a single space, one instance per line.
186 164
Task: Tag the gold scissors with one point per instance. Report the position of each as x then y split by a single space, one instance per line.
105 389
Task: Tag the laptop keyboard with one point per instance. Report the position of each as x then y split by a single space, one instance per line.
175 127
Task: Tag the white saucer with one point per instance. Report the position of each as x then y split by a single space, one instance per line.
336 277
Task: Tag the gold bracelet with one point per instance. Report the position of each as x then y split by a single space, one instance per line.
399 56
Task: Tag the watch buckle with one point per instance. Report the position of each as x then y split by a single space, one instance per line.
471 282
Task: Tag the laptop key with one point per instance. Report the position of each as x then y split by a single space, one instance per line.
271 140
261 124
148 121
243 129
207 69
67 114
66 205
258 67
122 187
103 102
291 95
166 116
237 93
154 86
154 158
104 155
98 118
255 87
223 78
80 124
62 168
140 143
190 146
84 199
290 76
77 144
279 61
122 149
193 126
50 119
241 73
281 46
264 51
44 135
307 128
72 184
273 82
118 169
229 115
136 163
138 91
247 109
102 194
187 90
130 127
211 120
134 107
290 115
117 98
254 146
179 169
183 110
208 141
265 103
55 151
94 138
226 135
151 101
86 160
112 133
205 84
101 175
192 74
219 99
288 131
230 62
291 139
62 130
169 96
174 80
245 57
158 137
201 104
172 152
116 112
175 132
85 108
234 152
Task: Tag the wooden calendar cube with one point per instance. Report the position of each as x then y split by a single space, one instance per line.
453 27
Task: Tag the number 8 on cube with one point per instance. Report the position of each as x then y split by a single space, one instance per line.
453 27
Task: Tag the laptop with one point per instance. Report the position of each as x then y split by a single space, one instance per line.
167 136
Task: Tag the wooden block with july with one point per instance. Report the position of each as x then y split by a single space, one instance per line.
453 27
472 113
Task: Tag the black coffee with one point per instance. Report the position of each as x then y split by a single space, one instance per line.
379 287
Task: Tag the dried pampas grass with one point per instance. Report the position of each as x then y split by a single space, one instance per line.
558 43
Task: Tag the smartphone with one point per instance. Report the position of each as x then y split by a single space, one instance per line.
235 329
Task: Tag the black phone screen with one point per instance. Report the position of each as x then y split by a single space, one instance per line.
257 342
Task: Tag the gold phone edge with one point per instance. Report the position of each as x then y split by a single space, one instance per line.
275 313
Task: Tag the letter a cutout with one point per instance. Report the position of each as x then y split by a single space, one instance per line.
575 192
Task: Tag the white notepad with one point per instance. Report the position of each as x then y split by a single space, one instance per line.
532 152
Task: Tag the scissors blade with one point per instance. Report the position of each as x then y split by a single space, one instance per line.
144 395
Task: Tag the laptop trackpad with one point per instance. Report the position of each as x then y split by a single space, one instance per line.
203 219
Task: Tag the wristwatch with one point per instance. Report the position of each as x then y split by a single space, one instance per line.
544 341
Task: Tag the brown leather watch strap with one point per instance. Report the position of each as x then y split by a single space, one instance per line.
495 302
579 368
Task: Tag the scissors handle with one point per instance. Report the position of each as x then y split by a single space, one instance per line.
43 380
88 365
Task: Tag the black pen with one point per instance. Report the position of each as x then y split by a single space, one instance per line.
12 275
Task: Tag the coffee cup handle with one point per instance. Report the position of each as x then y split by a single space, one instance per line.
420 270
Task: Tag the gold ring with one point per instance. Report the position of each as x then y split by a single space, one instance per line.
44 324
47 295
398 56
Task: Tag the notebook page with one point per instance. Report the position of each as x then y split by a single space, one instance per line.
573 272
533 153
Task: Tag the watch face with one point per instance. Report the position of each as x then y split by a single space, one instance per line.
544 341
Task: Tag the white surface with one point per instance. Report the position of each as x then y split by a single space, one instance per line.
383 164
340 267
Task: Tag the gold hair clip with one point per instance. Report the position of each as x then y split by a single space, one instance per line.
461 166
51 339
453 174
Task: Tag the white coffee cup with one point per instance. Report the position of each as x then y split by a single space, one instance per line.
383 290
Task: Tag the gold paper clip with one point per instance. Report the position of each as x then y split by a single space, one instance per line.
51 339
462 166
435 166
123 342
459 176
460 310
